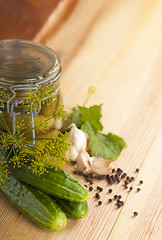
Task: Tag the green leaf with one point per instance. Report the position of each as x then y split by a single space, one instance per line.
75 117
87 127
92 114
107 146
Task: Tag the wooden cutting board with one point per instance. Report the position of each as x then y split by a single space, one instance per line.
116 46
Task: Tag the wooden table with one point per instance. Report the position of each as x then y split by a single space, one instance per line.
115 46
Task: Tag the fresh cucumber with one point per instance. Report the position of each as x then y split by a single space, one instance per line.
73 209
34 204
53 181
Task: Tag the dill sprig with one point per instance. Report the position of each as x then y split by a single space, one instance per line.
48 152
42 125
17 149
35 98
61 113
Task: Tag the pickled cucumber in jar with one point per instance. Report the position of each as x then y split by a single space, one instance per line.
25 66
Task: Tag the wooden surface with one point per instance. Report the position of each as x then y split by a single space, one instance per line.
115 46
24 19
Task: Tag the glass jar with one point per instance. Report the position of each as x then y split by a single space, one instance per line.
24 66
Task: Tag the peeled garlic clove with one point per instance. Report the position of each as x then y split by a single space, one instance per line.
58 123
99 165
82 162
78 138
72 153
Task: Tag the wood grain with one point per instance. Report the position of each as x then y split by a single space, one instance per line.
115 46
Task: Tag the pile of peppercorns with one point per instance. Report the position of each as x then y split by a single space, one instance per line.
115 177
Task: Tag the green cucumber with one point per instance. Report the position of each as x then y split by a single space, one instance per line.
34 204
53 181
73 209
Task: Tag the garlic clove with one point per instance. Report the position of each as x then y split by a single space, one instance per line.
72 153
99 165
82 162
58 123
78 138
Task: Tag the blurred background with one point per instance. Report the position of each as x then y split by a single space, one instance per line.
23 19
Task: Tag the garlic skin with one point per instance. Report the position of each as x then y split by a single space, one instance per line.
72 153
99 165
78 138
82 162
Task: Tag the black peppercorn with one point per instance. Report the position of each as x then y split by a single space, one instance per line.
135 213
115 196
131 188
137 169
117 178
128 178
118 205
138 189
90 188
113 178
99 202
101 177
85 175
123 175
113 170
132 179
87 179
110 200
119 170
90 175
141 181
99 188
80 173
109 179
110 190
97 196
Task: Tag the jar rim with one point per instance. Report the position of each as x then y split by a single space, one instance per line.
27 62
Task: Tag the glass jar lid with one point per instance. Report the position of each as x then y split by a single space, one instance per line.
25 62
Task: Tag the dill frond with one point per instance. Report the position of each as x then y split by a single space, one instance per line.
61 113
41 125
20 126
35 98
6 141
16 149
49 152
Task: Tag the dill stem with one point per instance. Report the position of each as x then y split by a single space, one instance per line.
5 124
38 125
8 154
